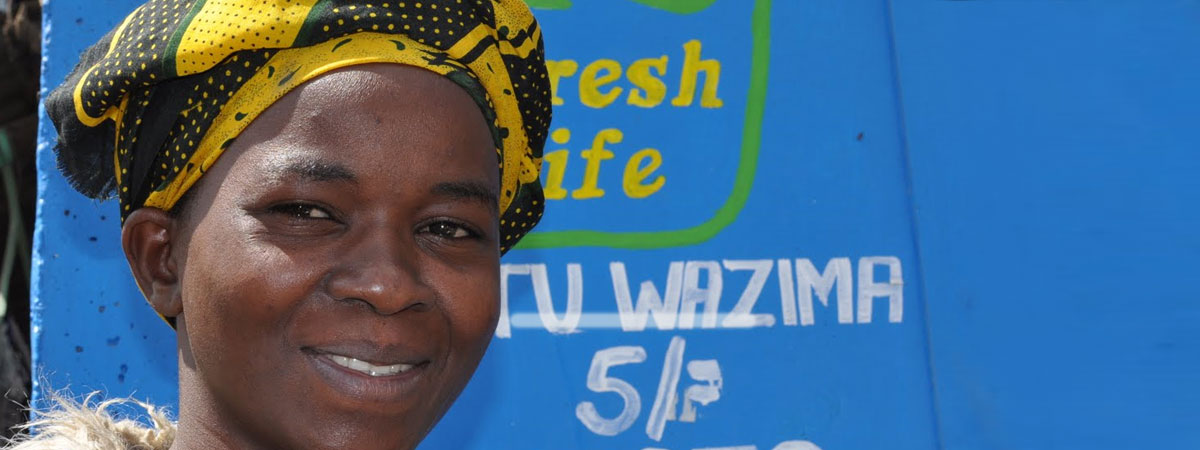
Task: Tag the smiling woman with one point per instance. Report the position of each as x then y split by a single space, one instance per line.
320 284
319 212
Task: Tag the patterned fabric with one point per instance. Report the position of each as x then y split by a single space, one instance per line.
154 104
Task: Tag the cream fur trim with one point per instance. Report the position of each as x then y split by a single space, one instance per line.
82 426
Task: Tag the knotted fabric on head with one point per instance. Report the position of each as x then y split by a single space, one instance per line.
153 105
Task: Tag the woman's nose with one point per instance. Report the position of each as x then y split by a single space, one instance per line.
381 271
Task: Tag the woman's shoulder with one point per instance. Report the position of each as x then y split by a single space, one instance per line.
88 425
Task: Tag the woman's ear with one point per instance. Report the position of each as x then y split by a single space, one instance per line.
148 236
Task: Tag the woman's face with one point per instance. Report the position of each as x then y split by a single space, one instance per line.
338 266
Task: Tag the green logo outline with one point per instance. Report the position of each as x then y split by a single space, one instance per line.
743 181
675 6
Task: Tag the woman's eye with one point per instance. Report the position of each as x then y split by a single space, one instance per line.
302 211
448 230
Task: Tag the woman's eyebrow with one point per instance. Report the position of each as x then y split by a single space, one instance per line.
469 190
315 170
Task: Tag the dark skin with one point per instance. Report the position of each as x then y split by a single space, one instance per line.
354 220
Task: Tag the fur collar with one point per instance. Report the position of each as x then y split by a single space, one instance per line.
89 426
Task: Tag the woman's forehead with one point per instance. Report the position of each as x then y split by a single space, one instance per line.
413 122
377 91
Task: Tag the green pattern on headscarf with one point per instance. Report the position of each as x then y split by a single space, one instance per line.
153 104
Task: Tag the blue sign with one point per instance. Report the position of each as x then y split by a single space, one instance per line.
730 252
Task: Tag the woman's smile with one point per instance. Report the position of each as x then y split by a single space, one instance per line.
369 372
374 370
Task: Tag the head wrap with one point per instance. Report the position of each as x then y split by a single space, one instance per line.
153 105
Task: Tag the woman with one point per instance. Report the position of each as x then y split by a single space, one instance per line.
316 194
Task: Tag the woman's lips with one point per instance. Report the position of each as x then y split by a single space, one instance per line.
368 368
366 374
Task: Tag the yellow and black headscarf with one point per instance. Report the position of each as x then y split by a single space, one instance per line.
153 105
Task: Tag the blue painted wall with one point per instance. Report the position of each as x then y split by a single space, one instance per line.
1054 177
1024 166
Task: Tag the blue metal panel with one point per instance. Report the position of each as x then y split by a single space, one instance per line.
90 324
1054 163
1034 151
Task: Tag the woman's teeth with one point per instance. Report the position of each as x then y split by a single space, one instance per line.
368 368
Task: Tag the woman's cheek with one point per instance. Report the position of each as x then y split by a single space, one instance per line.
477 311
240 287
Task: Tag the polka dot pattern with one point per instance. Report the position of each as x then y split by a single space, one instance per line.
201 102
223 27
135 57
163 78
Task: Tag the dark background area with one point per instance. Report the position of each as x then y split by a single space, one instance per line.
20 50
